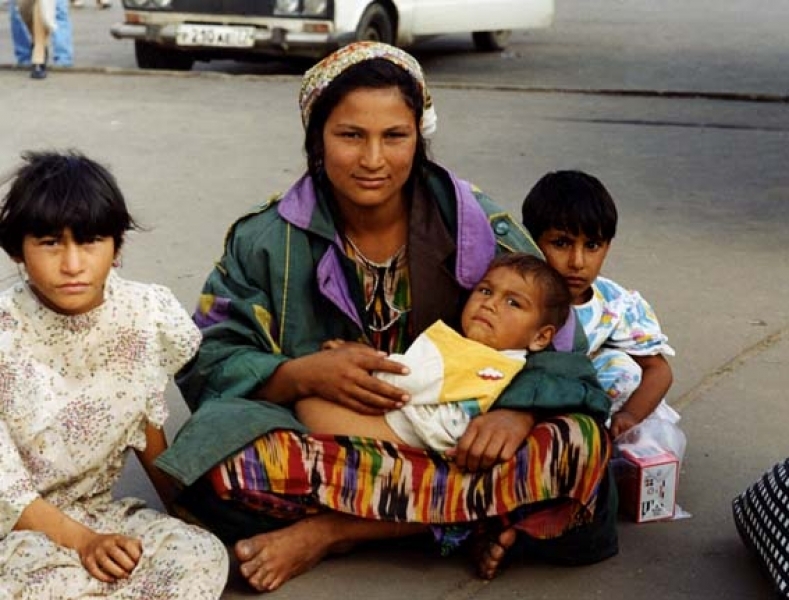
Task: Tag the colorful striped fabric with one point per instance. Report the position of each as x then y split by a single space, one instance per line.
290 475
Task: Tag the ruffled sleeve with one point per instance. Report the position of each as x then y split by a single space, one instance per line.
635 327
176 342
178 336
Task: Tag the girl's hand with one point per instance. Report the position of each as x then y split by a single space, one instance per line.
110 556
492 438
107 557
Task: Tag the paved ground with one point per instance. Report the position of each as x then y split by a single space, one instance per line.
703 192
702 189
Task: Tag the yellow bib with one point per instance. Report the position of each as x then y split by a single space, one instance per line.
472 371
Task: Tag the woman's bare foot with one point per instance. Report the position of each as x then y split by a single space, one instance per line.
270 559
491 551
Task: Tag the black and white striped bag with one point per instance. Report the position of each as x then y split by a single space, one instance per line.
761 514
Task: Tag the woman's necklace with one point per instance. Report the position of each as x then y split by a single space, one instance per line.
389 258
385 291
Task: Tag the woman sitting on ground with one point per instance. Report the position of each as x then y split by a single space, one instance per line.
372 245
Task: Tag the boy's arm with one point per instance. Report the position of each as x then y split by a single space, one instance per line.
156 443
656 379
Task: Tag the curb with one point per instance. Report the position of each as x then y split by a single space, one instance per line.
454 85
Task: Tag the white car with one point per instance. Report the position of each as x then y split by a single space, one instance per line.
172 34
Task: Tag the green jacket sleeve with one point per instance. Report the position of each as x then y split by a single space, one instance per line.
557 382
238 322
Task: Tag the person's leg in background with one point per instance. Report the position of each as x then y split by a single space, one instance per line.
62 45
40 44
20 36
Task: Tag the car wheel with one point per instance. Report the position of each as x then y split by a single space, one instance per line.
376 25
491 41
151 56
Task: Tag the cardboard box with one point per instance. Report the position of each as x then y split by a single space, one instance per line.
647 482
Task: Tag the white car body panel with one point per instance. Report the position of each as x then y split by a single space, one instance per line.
159 26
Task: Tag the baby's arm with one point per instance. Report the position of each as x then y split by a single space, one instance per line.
656 379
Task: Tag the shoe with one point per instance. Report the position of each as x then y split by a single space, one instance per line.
104 3
39 72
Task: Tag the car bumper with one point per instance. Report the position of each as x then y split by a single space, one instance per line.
273 37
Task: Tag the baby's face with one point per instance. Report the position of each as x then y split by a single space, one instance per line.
505 312
578 259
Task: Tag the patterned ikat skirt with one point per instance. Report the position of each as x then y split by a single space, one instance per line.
549 487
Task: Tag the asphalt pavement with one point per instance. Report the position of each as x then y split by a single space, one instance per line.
703 193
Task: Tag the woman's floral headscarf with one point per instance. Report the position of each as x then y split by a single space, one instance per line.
318 78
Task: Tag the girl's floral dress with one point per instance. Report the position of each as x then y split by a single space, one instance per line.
76 393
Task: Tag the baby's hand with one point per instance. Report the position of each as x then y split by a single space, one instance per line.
110 556
620 422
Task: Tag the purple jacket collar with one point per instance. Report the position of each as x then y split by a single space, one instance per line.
476 240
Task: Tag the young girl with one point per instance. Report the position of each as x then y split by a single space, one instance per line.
573 219
84 360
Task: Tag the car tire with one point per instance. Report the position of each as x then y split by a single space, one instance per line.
491 41
376 25
151 56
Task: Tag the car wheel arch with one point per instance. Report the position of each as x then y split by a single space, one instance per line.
379 9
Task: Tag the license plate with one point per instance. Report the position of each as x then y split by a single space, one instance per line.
215 35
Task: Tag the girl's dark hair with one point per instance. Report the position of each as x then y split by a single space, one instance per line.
376 73
571 201
556 297
54 191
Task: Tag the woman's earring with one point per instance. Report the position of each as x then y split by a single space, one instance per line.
117 262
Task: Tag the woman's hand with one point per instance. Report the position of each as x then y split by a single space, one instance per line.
492 438
332 344
109 556
341 373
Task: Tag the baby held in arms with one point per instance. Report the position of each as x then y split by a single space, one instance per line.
450 378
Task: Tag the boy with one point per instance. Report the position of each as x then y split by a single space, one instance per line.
573 219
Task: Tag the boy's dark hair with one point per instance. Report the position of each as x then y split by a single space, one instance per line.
571 201
376 73
556 297
54 191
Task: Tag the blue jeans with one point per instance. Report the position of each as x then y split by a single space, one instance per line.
62 47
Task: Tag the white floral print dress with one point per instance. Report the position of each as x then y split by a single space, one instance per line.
620 324
76 393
